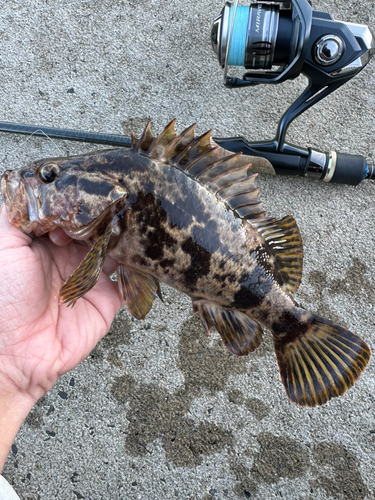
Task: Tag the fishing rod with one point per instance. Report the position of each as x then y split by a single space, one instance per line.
277 41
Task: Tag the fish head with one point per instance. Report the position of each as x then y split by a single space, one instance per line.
77 194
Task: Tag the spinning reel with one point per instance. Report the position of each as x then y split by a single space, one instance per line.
277 41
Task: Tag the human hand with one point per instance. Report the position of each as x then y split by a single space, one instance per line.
41 340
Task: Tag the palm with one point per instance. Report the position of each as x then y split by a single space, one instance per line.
40 340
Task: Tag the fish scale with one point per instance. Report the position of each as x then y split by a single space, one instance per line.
181 210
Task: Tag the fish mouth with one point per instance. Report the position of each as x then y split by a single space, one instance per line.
15 199
22 205
8 188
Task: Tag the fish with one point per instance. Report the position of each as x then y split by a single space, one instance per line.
180 210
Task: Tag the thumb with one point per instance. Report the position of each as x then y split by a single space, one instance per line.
10 236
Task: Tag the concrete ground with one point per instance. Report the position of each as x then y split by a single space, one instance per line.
160 410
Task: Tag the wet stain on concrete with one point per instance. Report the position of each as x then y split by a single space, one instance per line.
119 333
114 359
206 363
256 406
319 282
245 486
259 409
235 396
341 479
353 283
155 414
336 469
278 457
208 496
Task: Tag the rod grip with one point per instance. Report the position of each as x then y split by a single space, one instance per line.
348 169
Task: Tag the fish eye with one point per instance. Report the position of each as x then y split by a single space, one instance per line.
48 173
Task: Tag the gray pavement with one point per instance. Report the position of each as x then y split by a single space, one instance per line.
160 410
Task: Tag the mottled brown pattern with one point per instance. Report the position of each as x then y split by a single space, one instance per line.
179 211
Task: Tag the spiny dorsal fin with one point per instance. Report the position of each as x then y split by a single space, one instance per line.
146 139
284 238
163 141
224 174
180 142
240 333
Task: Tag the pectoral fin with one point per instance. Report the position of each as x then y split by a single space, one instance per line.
240 333
138 290
87 273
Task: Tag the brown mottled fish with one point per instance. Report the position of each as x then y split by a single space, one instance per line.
180 210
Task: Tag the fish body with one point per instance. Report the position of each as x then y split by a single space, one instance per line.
180 210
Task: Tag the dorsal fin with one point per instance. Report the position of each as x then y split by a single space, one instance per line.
225 174
284 238
146 139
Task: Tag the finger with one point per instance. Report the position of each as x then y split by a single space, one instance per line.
11 236
59 238
68 257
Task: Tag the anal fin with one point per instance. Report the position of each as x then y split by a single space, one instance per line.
240 333
138 290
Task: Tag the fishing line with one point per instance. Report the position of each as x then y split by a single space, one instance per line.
236 55
45 135
37 132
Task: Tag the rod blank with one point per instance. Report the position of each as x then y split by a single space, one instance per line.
68 134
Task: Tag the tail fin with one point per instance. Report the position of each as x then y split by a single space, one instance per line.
321 363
